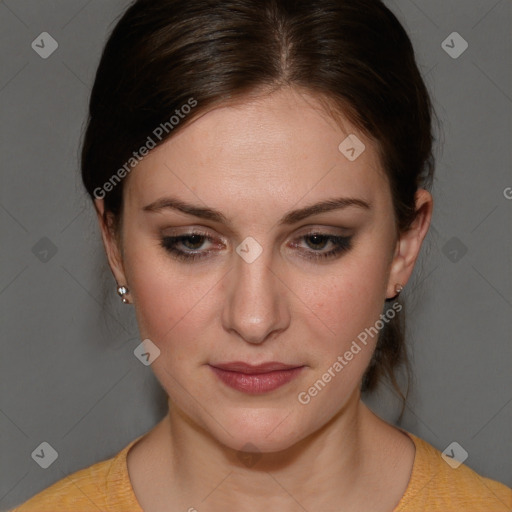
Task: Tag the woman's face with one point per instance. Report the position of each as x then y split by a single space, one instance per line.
262 288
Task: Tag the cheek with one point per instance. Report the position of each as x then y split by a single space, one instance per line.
346 303
347 309
173 311
169 303
343 310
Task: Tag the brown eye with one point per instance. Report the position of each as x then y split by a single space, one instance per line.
192 240
182 247
317 242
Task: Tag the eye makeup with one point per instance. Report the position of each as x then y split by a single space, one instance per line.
190 247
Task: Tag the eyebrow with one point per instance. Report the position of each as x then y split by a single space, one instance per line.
291 217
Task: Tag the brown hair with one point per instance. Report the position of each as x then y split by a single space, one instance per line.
353 53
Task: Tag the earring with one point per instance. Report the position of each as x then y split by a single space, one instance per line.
398 289
122 291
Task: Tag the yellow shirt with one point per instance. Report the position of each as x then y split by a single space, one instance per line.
434 486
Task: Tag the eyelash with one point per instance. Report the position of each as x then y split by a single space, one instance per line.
342 243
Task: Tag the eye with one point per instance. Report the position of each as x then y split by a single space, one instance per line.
190 242
317 242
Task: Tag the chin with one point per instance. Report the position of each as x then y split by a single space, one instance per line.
264 430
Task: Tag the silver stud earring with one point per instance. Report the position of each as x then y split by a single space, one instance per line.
122 291
398 289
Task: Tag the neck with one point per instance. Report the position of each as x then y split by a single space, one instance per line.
208 476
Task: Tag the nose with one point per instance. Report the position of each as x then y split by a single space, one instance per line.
256 300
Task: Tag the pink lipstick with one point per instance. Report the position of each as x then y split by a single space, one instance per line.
255 379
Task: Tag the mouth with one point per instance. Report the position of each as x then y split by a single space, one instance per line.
255 379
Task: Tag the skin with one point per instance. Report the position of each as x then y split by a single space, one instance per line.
254 161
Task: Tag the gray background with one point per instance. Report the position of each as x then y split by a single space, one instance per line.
68 373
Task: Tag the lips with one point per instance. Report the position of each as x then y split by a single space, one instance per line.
255 379
250 369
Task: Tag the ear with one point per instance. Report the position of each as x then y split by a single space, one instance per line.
111 242
409 243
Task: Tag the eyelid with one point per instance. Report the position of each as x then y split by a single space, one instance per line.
325 230
185 230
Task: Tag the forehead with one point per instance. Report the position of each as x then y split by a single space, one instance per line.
280 146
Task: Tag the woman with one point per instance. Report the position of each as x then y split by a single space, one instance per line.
260 172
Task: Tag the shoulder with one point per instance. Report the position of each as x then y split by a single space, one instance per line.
435 485
79 491
91 488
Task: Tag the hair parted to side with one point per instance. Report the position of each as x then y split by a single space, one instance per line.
353 54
